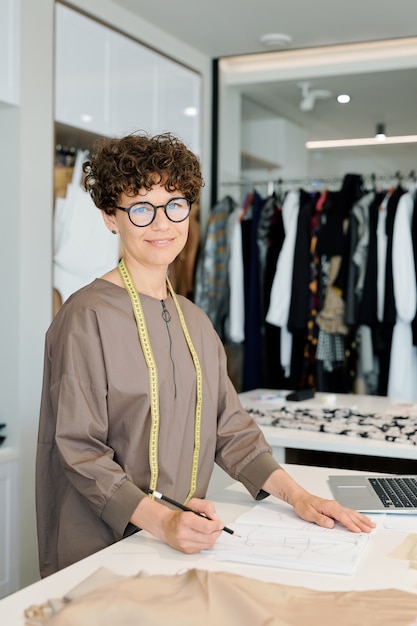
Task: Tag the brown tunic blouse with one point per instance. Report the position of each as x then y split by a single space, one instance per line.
92 467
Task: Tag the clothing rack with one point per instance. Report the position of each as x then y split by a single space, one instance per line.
282 181
317 181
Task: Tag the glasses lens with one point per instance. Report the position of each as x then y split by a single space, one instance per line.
178 209
141 214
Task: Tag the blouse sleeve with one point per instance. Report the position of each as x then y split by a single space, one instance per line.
74 420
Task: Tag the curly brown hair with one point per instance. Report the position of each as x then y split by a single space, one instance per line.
139 161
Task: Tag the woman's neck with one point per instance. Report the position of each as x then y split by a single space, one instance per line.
148 281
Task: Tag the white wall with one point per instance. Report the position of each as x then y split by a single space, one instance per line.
278 142
383 160
26 201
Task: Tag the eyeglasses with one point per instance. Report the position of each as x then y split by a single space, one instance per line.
143 213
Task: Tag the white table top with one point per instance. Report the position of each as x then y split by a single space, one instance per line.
376 570
326 442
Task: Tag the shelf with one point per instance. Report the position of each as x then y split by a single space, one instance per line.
253 162
75 137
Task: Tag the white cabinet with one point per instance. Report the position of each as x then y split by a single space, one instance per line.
9 51
81 72
9 556
133 86
108 84
178 101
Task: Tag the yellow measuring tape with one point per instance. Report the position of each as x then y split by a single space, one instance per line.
153 381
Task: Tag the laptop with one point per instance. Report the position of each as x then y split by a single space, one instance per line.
376 494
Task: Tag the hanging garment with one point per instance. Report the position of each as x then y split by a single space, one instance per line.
413 191
280 296
304 293
266 218
386 309
335 348
84 249
367 305
355 262
403 359
182 270
331 315
253 357
236 332
212 277
356 257
274 373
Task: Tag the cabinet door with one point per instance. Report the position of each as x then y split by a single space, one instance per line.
133 71
9 51
179 102
81 72
9 556
109 84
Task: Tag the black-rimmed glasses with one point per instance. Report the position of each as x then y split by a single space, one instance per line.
143 213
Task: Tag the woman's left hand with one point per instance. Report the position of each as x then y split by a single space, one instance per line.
312 508
326 512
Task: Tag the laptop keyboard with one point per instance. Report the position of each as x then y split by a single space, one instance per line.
396 492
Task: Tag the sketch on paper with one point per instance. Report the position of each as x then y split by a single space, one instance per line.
273 535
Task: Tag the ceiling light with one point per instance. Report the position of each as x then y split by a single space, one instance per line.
362 141
343 98
275 40
380 132
190 111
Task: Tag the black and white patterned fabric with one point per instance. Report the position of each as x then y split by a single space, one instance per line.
398 425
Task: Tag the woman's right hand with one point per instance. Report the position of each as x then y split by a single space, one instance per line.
182 530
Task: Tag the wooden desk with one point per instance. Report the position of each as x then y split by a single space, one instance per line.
377 570
282 438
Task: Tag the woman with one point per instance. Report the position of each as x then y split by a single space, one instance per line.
136 394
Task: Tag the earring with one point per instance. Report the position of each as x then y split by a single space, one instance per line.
114 232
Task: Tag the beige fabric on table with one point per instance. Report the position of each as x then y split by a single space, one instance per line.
223 599
92 460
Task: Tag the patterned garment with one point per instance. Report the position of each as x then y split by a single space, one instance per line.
212 277
330 350
308 379
395 426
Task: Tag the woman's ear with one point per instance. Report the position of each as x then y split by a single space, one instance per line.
110 222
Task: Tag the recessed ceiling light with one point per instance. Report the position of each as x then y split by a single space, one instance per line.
275 40
380 132
343 98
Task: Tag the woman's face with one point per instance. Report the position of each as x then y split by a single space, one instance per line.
157 244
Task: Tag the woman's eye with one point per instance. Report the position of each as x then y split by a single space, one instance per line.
141 209
177 204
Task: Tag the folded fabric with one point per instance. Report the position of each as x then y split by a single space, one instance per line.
225 599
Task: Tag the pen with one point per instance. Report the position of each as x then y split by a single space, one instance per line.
160 496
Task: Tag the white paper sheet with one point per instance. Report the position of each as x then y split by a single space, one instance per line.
273 535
